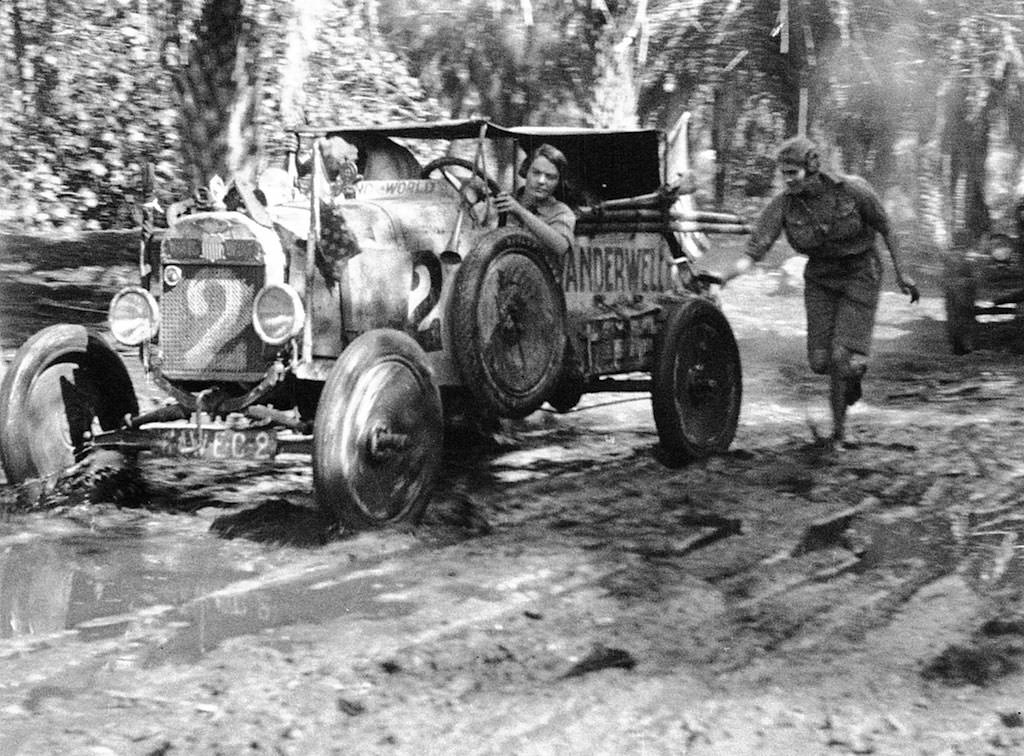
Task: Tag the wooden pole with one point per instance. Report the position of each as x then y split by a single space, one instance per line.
810 61
784 24
801 118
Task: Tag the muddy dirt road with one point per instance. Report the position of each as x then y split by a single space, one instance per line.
566 592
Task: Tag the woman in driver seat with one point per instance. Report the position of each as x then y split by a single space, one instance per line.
534 206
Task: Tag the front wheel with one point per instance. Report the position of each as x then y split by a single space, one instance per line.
696 383
378 433
63 385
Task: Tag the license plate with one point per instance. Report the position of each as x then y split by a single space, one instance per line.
218 443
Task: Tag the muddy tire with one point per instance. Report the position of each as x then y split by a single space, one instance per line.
63 384
508 323
696 383
960 320
378 433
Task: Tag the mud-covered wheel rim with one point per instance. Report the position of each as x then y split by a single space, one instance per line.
509 324
697 383
63 386
378 433
960 319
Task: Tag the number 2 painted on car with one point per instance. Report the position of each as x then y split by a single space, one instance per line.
215 304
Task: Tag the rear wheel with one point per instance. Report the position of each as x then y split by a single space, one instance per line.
509 323
696 383
378 433
63 385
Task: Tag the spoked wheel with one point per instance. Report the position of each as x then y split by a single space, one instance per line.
459 173
64 385
378 433
960 319
696 383
508 323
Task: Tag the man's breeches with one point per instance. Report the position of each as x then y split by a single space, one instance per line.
841 298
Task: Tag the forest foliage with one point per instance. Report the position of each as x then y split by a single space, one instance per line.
923 97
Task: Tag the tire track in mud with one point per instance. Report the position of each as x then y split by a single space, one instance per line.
833 545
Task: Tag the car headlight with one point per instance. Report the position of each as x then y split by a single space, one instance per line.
134 316
277 314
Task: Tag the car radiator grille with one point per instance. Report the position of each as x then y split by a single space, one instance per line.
206 324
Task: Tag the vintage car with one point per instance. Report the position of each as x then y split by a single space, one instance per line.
985 279
341 309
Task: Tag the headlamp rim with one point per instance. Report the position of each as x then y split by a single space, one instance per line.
298 311
151 305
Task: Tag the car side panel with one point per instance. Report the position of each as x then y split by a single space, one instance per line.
616 287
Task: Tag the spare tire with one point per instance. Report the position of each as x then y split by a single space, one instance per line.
508 323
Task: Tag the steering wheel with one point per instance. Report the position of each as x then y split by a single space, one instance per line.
469 191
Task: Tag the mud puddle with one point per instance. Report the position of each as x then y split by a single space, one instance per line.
175 575
96 584
92 586
241 610
171 589
171 581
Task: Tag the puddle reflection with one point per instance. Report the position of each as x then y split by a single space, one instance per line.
97 584
210 621
165 600
35 591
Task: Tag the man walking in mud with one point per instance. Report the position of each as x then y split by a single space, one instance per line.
833 220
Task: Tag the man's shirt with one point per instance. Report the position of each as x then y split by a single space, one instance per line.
836 217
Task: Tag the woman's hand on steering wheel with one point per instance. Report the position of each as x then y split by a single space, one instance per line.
505 204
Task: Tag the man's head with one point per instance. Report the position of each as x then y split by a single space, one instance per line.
798 159
543 170
550 153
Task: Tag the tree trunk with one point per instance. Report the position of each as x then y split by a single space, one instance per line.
299 42
218 92
934 202
614 100
720 145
